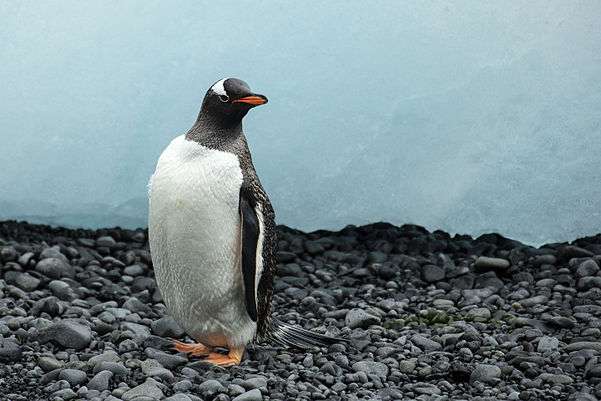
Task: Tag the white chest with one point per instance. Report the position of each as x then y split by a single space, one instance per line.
194 230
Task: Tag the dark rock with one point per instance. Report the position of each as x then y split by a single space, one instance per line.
484 263
73 376
432 273
252 395
147 389
371 367
68 334
167 327
100 381
26 282
9 350
209 388
485 373
54 268
587 268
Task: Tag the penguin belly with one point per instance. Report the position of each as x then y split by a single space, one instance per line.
194 235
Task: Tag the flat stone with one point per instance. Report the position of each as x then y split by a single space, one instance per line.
358 318
254 382
153 368
556 378
10 351
140 331
587 268
100 381
485 373
252 395
533 301
209 388
425 344
106 241
408 365
48 363
27 282
547 344
147 389
67 333
577 346
166 327
73 376
479 314
484 263
371 367
432 273
54 268
179 397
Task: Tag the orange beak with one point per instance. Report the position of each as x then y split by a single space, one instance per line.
254 100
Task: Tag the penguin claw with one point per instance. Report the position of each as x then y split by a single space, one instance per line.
196 349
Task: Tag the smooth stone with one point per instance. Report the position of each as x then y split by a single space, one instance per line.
485 373
100 381
209 388
166 327
358 318
580 345
479 314
73 376
484 263
68 334
252 395
48 363
10 351
54 268
547 344
425 344
148 389
432 273
587 268
254 382
179 397
371 367
27 282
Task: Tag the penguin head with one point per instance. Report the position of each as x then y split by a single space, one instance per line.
228 101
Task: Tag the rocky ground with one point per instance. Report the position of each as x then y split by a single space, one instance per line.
429 317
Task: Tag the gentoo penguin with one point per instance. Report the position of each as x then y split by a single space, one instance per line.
212 234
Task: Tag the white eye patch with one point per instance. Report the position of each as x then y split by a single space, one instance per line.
218 88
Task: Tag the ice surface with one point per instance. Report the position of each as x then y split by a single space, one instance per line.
469 117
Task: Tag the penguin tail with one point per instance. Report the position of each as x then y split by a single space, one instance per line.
287 335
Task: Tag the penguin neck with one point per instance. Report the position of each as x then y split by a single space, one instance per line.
214 132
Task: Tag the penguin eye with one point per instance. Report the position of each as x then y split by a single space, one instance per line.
224 98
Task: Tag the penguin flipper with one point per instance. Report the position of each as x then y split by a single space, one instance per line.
249 223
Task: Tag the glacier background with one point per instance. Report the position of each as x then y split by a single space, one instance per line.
470 117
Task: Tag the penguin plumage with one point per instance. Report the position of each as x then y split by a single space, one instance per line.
212 234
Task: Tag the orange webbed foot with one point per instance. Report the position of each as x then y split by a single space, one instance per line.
195 349
233 358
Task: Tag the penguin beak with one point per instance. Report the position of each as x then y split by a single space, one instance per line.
254 100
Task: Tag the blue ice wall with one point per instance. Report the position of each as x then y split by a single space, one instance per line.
466 116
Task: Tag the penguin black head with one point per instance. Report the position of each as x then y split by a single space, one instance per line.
228 101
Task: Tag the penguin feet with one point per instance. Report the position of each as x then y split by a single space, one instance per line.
195 349
234 357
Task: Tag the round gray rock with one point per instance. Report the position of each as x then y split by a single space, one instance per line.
485 373
73 376
68 334
252 395
100 381
9 350
371 367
